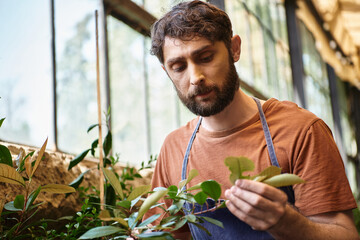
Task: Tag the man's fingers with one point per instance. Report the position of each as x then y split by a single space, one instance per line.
261 224
266 191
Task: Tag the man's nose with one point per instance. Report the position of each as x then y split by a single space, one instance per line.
196 75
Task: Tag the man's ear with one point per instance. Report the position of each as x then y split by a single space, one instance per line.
236 47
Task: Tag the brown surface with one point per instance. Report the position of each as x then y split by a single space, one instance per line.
53 169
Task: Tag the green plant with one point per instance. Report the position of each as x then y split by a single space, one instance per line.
270 175
125 217
356 213
76 225
23 208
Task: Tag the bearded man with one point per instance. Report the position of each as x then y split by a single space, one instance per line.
197 49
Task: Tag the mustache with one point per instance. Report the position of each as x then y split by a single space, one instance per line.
198 90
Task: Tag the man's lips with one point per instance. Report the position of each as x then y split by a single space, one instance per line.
204 94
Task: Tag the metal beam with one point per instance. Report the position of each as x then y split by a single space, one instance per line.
105 50
295 53
334 99
131 14
53 63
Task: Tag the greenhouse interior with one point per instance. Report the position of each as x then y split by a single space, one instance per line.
74 72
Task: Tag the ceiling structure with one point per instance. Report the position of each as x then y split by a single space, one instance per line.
335 24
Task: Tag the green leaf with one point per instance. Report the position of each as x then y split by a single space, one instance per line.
170 219
10 207
179 224
267 173
19 158
191 218
94 146
76 183
105 216
213 221
107 143
22 163
92 126
39 157
57 188
125 204
19 201
193 173
98 232
121 221
5 156
159 189
10 175
283 180
135 201
202 228
133 219
138 191
32 197
173 209
200 198
151 200
237 166
172 191
212 189
155 235
197 186
78 159
114 181
149 220
1 121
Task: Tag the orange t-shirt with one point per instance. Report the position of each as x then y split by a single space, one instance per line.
303 145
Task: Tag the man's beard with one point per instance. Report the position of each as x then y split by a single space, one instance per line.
223 97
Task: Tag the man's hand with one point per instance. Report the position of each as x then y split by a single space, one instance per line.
264 208
257 204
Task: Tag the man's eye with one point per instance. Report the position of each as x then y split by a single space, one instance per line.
207 58
178 68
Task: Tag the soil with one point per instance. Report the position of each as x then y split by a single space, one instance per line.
53 169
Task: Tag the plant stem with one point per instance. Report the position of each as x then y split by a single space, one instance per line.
208 210
24 207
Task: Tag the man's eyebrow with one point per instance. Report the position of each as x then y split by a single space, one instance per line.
194 53
198 51
174 60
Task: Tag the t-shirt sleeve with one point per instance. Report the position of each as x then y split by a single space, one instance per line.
319 163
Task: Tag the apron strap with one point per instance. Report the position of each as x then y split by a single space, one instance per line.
186 157
267 134
268 139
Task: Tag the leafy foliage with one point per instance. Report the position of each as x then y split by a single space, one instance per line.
23 205
125 206
271 175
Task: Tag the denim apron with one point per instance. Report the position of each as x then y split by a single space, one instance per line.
233 227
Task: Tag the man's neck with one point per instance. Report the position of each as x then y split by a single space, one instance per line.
241 109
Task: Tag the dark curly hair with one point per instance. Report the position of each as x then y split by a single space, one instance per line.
190 19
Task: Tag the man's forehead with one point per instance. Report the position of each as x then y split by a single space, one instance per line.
175 47
171 41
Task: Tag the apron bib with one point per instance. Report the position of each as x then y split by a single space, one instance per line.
233 227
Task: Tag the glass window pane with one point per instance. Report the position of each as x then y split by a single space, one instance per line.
166 112
26 72
316 80
76 73
260 24
127 92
